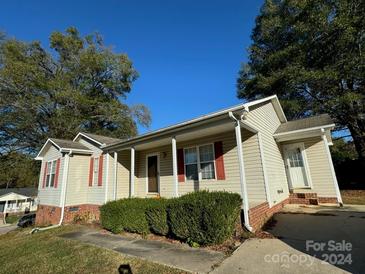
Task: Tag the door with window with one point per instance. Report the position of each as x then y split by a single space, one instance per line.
295 165
152 174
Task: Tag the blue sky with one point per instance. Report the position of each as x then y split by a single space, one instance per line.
188 53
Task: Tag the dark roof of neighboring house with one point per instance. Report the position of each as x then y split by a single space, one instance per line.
68 144
26 191
102 139
310 122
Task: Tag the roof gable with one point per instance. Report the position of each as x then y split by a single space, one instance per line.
63 146
98 139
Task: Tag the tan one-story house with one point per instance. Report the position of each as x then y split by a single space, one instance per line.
250 149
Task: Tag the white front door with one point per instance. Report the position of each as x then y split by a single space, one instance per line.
295 165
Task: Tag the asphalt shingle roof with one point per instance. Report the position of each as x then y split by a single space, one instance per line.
68 144
310 122
102 139
26 191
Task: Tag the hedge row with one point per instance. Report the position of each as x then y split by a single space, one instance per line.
202 217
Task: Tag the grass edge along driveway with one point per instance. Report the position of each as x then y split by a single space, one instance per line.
44 252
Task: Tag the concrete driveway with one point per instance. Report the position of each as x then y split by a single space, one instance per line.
305 243
7 228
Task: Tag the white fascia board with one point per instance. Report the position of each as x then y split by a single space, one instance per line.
87 137
331 126
86 151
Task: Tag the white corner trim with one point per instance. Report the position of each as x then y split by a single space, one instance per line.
64 186
132 172
107 177
333 173
266 179
174 167
115 175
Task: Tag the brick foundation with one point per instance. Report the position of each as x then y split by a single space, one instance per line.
327 200
303 198
258 215
47 215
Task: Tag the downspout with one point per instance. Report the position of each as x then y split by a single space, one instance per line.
63 196
241 169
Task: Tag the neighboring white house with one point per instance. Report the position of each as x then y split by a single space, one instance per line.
17 200
250 149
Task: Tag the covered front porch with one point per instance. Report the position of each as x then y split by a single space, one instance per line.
218 154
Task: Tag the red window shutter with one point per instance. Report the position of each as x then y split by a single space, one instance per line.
180 165
91 171
219 162
44 175
58 163
100 179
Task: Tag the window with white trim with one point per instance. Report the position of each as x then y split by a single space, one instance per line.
199 162
51 173
96 172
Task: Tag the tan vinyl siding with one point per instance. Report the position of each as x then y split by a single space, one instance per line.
92 146
264 118
48 195
319 167
253 168
78 180
123 171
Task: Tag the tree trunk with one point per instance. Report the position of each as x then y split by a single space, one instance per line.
357 131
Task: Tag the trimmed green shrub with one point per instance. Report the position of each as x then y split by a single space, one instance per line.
204 217
199 218
156 215
126 215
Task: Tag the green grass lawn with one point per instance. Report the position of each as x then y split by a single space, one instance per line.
44 252
12 219
356 197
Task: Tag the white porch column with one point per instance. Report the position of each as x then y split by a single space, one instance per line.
266 180
4 211
132 171
334 178
242 174
107 177
174 167
115 175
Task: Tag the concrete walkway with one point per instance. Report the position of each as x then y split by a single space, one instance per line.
272 256
178 256
7 228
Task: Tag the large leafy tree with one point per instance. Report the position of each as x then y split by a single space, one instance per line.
77 85
311 53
